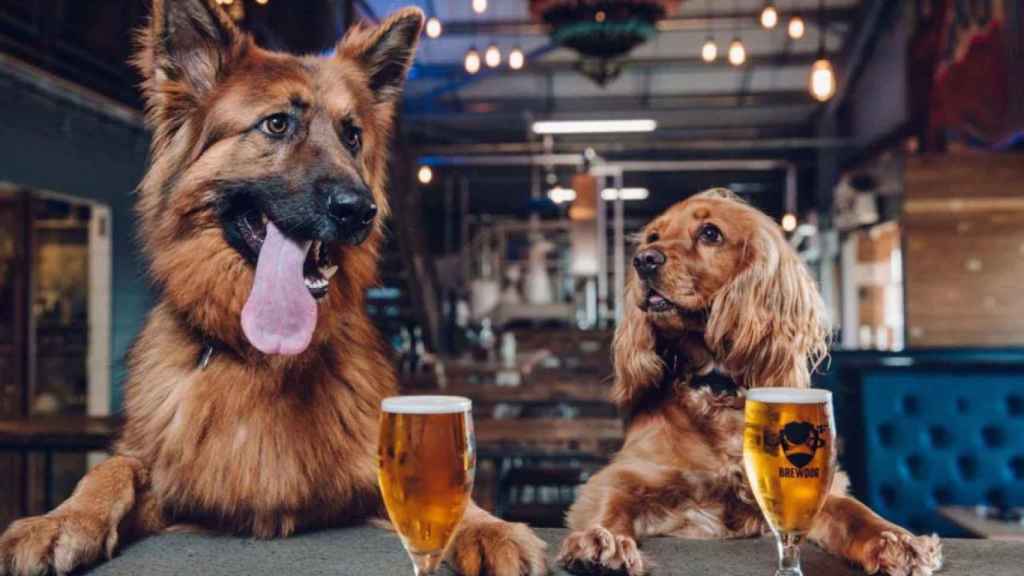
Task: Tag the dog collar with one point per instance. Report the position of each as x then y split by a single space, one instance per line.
718 382
205 356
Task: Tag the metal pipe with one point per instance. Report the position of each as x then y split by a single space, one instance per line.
504 160
676 64
568 148
620 247
791 190
742 20
602 252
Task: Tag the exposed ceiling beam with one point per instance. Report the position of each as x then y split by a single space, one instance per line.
541 104
660 64
706 145
695 23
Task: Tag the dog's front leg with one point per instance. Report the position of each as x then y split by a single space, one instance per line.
80 530
848 528
604 520
488 545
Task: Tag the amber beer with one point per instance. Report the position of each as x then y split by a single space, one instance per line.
789 454
427 459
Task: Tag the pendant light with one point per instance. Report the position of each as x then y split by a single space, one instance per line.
709 51
737 51
472 61
822 80
516 59
769 15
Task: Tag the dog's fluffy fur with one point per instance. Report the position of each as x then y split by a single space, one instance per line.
249 444
739 301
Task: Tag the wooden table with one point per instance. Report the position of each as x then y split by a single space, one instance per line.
52 434
364 551
967 517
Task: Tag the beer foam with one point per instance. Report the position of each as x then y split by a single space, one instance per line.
426 404
789 395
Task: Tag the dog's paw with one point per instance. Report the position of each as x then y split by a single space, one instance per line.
498 548
598 551
55 543
903 554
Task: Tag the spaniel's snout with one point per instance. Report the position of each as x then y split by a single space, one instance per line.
648 262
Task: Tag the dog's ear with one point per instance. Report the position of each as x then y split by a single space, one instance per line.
769 324
637 363
188 43
386 52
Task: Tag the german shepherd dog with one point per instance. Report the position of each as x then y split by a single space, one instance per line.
254 388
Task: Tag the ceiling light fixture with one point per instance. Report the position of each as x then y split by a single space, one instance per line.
593 126
796 28
434 27
789 222
822 81
560 195
425 175
769 16
472 61
737 52
612 194
516 59
709 52
479 6
492 56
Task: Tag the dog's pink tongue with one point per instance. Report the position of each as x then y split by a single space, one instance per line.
280 315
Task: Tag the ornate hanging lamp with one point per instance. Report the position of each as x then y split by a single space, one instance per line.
602 32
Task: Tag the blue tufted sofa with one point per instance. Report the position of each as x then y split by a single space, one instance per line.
928 428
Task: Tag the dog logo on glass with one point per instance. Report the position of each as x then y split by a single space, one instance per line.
800 441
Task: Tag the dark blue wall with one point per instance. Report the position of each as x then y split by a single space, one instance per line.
48 142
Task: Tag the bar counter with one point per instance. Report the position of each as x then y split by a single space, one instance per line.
369 551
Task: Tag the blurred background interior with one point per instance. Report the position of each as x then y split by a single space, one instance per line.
884 136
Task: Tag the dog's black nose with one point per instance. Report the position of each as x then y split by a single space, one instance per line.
352 208
648 261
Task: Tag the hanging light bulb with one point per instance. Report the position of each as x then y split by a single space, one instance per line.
472 61
479 6
434 28
769 16
789 222
492 56
425 175
516 59
823 79
737 52
796 28
709 52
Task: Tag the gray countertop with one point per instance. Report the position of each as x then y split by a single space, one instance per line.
367 551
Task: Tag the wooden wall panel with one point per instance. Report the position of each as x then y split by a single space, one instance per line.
963 243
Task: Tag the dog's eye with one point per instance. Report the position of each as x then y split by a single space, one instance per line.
710 234
653 237
276 125
352 137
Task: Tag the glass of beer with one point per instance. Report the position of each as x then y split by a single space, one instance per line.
789 455
427 459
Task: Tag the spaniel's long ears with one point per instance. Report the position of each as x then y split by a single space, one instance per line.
637 364
769 324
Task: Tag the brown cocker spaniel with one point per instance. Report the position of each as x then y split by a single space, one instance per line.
718 303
